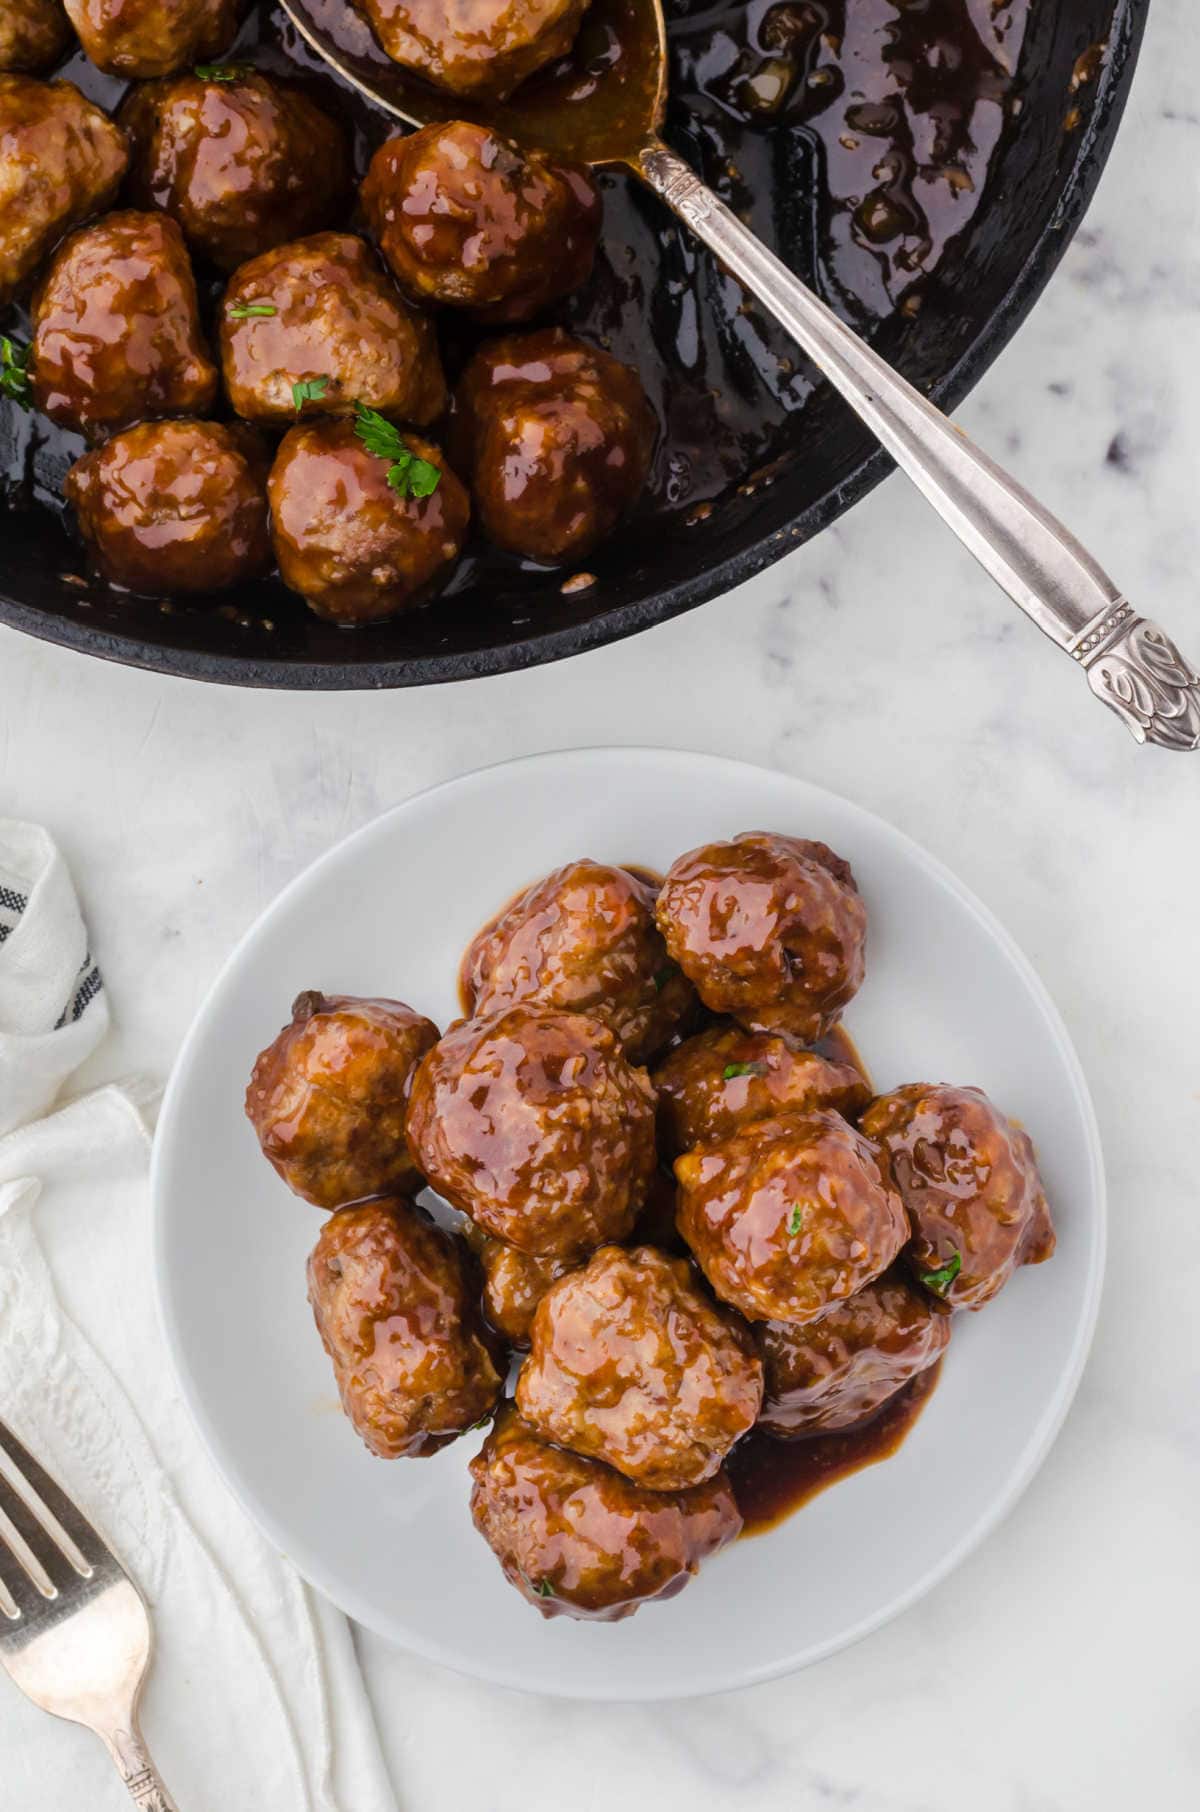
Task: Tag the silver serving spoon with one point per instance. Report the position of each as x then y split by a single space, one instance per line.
605 107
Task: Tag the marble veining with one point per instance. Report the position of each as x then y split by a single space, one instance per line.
1056 1672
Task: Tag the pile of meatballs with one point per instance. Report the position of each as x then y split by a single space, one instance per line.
307 425
686 1219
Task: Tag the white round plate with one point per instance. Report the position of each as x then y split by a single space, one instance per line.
948 997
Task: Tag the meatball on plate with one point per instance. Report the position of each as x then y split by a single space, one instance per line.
533 1122
328 1097
575 1421
397 1310
576 1538
631 1363
583 939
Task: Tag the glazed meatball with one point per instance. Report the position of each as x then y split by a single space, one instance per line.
840 1369
464 217
116 328
514 1283
170 508
395 1302
141 38
61 159
33 33
242 165
632 1365
533 1123
970 1182
790 1216
555 438
769 929
331 316
328 1097
584 939
481 48
577 1539
724 1078
354 548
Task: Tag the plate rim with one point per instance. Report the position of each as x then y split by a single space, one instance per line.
1042 1436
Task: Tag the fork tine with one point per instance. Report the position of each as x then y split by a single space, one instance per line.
32 1545
20 1598
61 1520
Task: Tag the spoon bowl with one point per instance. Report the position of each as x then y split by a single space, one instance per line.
602 104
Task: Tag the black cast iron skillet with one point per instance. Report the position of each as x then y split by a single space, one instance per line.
732 491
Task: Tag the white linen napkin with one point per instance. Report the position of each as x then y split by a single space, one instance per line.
255 1701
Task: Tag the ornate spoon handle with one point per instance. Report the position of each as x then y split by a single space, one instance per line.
1131 664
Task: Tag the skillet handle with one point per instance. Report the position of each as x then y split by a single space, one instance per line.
1131 664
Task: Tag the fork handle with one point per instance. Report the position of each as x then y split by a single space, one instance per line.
1131 664
142 1781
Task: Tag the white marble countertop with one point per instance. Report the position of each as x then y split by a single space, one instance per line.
1057 1671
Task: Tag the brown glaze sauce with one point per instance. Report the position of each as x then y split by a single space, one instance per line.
771 1478
838 1046
855 135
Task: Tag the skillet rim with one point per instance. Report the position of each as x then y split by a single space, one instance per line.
622 620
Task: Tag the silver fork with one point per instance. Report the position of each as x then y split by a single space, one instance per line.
74 1629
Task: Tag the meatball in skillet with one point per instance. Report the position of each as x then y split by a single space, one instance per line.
116 328
482 48
555 438
577 1539
840 1369
969 1179
583 939
790 1216
33 33
61 159
354 547
172 508
141 38
396 1305
631 1364
328 1097
533 1122
768 929
712 1085
320 314
242 165
466 218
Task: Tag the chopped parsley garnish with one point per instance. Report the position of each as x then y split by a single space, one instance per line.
408 474
242 311
222 72
939 1281
308 390
663 977
796 1218
14 372
541 1588
742 1069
